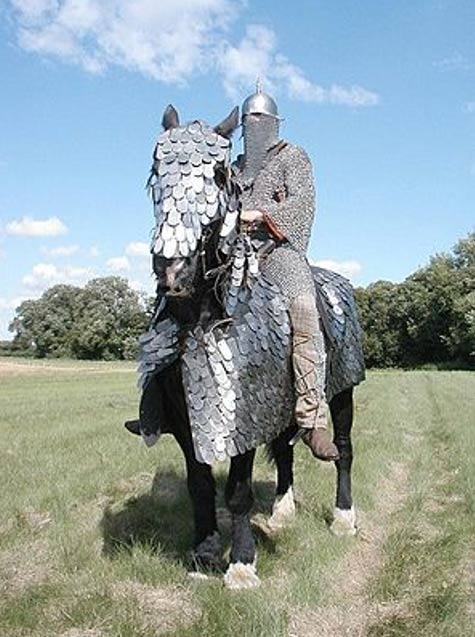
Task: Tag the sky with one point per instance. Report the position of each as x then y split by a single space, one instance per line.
380 93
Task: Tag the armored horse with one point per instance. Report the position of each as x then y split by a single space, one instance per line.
215 365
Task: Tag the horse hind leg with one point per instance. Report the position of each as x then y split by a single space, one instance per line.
283 509
241 572
341 408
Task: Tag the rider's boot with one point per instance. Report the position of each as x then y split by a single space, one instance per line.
319 440
308 359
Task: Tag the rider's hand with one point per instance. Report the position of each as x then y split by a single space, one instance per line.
250 217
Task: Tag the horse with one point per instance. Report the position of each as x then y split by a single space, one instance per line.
215 364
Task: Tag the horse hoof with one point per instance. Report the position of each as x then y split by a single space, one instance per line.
283 512
149 439
344 522
207 555
240 576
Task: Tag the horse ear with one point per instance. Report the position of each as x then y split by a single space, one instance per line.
229 124
170 118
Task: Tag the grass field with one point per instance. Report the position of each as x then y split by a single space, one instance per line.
95 529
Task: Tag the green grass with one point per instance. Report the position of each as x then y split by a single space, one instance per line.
96 529
430 552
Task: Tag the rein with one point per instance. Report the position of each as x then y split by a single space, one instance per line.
231 187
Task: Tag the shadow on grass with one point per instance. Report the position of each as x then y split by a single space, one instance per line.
162 520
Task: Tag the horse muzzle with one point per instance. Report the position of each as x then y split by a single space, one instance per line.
180 293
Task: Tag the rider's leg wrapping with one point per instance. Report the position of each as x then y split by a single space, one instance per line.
308 358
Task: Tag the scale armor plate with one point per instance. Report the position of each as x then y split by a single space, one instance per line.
182 184
343 337
237 380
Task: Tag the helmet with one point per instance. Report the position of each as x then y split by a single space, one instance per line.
259 102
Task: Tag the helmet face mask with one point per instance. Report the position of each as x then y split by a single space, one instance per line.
264 128
260 131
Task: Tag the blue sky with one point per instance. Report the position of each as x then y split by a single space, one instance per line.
380 93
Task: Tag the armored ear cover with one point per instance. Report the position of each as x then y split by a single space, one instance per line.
229 124
170 117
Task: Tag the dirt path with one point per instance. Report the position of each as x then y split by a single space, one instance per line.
351 612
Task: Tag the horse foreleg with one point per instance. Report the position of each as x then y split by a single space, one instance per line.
207 551
283 509
241 572
341 407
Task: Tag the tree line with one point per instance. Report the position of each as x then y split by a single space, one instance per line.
429 318
100 321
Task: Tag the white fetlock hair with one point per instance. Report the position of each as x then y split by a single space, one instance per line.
283 511
344 522
240 576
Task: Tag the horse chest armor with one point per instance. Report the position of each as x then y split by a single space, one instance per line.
237 379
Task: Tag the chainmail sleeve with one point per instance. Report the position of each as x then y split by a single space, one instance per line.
293 215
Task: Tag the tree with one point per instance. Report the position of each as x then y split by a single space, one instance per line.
464 253
109 317
101 320
43 326
462 332
378 311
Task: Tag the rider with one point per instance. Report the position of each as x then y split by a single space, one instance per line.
279 193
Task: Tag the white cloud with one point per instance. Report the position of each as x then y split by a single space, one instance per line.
33 10
94 251
11 304
118 264
256 55
61 251
7 313
165 40
140 285
29 227
454 62
44 275
350 269
137 249
170 42
469 107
